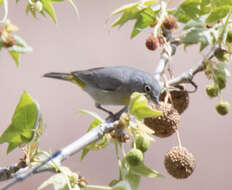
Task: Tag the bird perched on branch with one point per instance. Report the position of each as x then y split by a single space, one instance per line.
112 85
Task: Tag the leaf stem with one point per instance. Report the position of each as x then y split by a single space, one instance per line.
98 187
5 6
163 14
118 159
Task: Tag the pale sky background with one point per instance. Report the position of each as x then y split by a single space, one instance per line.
81 43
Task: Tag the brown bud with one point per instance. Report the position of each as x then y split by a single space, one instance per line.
170 23
152 43
9 42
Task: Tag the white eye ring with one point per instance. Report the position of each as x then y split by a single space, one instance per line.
147 88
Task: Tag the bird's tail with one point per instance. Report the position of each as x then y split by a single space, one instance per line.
65 76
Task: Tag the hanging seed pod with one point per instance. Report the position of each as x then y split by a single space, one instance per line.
166 124
180 98
179 162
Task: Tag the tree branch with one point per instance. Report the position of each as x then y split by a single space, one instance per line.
187 77
168 51
90 137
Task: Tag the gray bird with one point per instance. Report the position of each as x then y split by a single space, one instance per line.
112 85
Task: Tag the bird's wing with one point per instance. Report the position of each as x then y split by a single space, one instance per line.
105 78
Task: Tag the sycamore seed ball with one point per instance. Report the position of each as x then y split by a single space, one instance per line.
134 157
211 90
223 108
179 162
166 124
180 98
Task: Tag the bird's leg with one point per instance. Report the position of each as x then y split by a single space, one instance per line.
99 106
116 116
112 117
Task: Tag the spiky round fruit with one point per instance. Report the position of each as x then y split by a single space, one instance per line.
170 23
134 157
223 108
166 124
180 99
179 162
152 43
211 90
142 143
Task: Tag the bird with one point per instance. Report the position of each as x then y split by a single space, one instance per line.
112 85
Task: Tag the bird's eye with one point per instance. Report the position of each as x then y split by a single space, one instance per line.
147 88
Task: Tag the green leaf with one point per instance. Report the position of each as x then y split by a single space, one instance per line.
188 9
141 12
58 181
84 152
1 1
130 12
98 144
144 19
194 24
30 9
20 48
133 179
217 14
92 114
122 185
48 8
142 170
203 36
139 107
15 56
65 180
23 123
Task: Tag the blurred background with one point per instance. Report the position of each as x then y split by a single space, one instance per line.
81 43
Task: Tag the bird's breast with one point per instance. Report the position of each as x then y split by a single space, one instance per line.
106 97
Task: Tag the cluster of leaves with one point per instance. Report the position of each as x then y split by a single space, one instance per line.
141 136
204 22
14 44
45 7
143 12
23 125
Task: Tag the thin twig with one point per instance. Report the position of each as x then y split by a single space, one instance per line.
187 77
5 6
165 56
